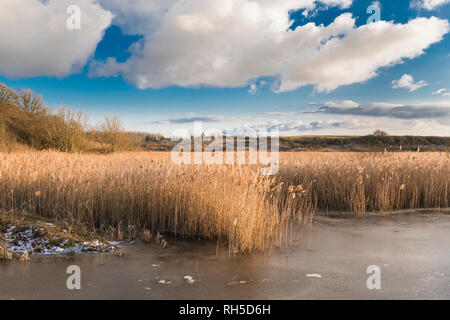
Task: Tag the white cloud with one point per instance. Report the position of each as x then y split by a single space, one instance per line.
144 16
35 40
407 81
443 92
316 127
436 111
301 126
280 114
335 104
415 119
440 91
361 126
192 117
231 43
138 16
428 4
253 89
358 55
330 118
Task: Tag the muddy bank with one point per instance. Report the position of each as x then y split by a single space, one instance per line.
411 250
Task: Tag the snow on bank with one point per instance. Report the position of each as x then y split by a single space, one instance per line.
35 240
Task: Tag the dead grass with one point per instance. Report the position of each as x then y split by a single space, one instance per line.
144 195
361 182
4 252
132 194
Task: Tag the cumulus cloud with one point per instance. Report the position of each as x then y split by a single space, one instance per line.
144 16
138 16
407 81
360 52
193 43
428 4
35 40
439 110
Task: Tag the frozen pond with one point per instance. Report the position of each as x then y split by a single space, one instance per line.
412 251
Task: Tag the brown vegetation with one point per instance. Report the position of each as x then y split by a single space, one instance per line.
125 195
25 123
137 195
361 182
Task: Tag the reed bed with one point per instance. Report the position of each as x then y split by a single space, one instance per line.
132 195
143 195
4 252
362 182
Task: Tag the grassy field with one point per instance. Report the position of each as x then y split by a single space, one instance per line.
143 194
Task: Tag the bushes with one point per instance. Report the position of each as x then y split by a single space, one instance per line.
380 133
68 130
62 130
25 121
112 137
8 142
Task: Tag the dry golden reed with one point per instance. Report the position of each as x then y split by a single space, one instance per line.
135 194
4 250
361 182
142 194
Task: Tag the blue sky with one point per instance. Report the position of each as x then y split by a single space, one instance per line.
160 104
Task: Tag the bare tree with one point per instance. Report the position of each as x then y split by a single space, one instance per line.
111 129
7 95
68 130
29 102
380 133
